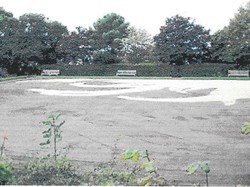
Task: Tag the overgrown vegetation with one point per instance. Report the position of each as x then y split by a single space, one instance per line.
6 169
47 172
53 169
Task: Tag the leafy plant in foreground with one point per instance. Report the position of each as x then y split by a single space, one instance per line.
192 168
103 176
147 165
6 170
45 172
53 133
245 129
6 173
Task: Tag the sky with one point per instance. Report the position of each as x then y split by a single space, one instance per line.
144 14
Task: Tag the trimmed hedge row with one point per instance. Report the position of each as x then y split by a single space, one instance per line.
146 70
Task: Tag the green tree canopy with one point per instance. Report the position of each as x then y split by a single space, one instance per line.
4 14
107 37
232 44
77 45
30 40
138 46
110 30
43 36
181 41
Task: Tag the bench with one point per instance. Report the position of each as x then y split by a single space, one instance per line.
126 72
238 73
50 72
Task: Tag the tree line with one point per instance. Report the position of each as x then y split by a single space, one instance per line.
33 39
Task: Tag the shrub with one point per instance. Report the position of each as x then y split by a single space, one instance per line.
105 176
6 173
48 172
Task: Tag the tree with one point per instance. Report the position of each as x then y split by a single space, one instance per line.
232 43
4 14
181 41
42 37
77 45
12 61
28 41
108 34
138 45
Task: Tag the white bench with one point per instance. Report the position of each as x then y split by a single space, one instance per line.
126 73
50 72
238 73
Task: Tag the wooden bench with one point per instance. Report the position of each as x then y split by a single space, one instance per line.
126 73
238 73
50 72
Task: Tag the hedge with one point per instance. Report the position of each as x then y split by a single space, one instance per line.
145 70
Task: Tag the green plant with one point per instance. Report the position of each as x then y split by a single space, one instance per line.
45 172
245 129
192 168
147 165
6 170
6 173
53 133
106 176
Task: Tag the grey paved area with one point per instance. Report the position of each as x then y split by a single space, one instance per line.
98 129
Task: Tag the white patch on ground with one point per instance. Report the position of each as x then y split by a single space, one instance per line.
226 91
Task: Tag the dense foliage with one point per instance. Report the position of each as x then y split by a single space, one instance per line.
181 41
29 41
32 40
138 46
107 36
232 44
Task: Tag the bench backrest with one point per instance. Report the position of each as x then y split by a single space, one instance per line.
50 72
126 72
240 73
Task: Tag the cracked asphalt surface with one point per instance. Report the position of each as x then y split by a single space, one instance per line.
98 129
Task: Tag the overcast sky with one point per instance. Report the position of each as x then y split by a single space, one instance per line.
145 14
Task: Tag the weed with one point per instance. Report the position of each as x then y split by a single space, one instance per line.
6 169
192 168
109 177
147 165
46 172
6 173
53 133
245 129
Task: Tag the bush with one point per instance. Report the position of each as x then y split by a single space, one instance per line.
6 173
109 177
47 172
